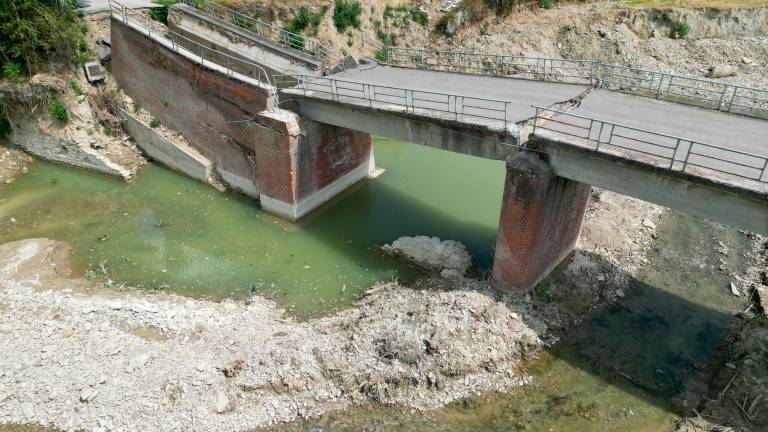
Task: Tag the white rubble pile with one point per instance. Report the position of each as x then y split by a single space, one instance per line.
450 258
82 358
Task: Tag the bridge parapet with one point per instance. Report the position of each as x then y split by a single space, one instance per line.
695 91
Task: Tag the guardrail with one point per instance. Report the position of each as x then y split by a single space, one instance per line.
543 68
489 112
268 31
181 43
668 151
701 92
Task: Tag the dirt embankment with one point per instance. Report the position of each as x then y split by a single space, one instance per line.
81 357
13 163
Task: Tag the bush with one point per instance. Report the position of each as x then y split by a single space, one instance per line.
161 13
35 33
76 87
154 123
12 70
346 14
420 17
107 131
682 28
58 111
136 106
382 55
546 4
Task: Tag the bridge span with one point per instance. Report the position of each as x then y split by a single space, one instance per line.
558 138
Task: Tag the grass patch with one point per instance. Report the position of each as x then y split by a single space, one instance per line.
58 111
346 14
75 86
154 123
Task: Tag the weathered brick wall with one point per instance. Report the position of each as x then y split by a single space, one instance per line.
278 154
541 217
200 103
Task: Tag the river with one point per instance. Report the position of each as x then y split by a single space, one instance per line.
619 370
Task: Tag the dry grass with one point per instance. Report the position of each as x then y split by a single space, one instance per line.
719 4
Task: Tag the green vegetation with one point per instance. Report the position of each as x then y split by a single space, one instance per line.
75 86
58 111
382 55
35 33
681 30
161 13
346 14
401 13
12 70
546 4
304 18
107 130
154 123
136 106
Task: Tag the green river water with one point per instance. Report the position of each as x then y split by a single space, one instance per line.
617 371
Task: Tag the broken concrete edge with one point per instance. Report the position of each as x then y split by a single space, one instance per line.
268 89
183 159
708 198
281 50
296 211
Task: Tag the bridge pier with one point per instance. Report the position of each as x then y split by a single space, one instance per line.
541 216
300 164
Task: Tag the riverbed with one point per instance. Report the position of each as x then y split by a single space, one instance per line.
164 231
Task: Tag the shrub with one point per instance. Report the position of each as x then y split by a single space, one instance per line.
76 87
420 17
83 29
35 33
682 28
546 4
107 130
136 106
12 70
58 111
161 13
382 55
154 123
346 14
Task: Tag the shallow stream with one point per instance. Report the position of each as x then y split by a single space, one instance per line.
618 371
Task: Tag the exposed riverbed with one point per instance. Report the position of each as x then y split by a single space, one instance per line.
165 231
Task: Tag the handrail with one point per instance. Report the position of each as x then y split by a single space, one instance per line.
265 30
718 95
453 106
128 15
672 152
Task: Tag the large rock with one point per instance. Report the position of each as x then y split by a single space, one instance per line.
722 71
448 257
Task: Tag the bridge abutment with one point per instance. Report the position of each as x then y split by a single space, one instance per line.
541 217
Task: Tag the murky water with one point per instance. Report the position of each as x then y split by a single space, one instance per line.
165 231
619 370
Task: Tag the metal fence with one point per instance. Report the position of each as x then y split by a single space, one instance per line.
493 113
667 151
178 43
660 85
268 31
541 68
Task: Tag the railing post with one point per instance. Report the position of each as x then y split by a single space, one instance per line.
722 97
764 170
658 89
535 120
687 155
610 137
674 154
733 98
599 136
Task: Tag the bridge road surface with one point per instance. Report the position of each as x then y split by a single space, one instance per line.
731 131
520 93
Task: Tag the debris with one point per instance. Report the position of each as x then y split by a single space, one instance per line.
649 224
722 71
233 368
734 290
222 402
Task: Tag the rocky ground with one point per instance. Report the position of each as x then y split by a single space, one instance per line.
13 162
83 357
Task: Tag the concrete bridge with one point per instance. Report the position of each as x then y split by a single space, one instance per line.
213 79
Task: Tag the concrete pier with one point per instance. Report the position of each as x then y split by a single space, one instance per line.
541 216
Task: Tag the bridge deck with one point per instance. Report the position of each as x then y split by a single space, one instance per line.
520 93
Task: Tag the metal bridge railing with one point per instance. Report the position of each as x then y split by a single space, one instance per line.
268 31
179 43
667 151
706 93
540 68
492 113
